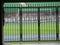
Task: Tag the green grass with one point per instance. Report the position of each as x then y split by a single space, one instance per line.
27 29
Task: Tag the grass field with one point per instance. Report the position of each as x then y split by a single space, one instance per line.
27 29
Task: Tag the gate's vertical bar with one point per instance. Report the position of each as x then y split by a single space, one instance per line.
38 24
20 14
57 25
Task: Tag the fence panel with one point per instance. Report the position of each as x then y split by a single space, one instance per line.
11 24
48 23
30 24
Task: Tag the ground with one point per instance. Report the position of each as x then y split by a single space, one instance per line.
38 43
30 31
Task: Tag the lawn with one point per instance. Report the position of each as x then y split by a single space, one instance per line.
27 29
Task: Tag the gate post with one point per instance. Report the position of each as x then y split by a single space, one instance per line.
20 14
38 24
57 24
1 22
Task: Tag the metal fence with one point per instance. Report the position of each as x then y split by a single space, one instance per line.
31 23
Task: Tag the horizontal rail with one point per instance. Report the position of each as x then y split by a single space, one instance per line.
35 41
35 7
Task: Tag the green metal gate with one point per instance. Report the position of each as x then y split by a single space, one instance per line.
31 23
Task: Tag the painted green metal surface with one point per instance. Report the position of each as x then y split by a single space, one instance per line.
29 4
